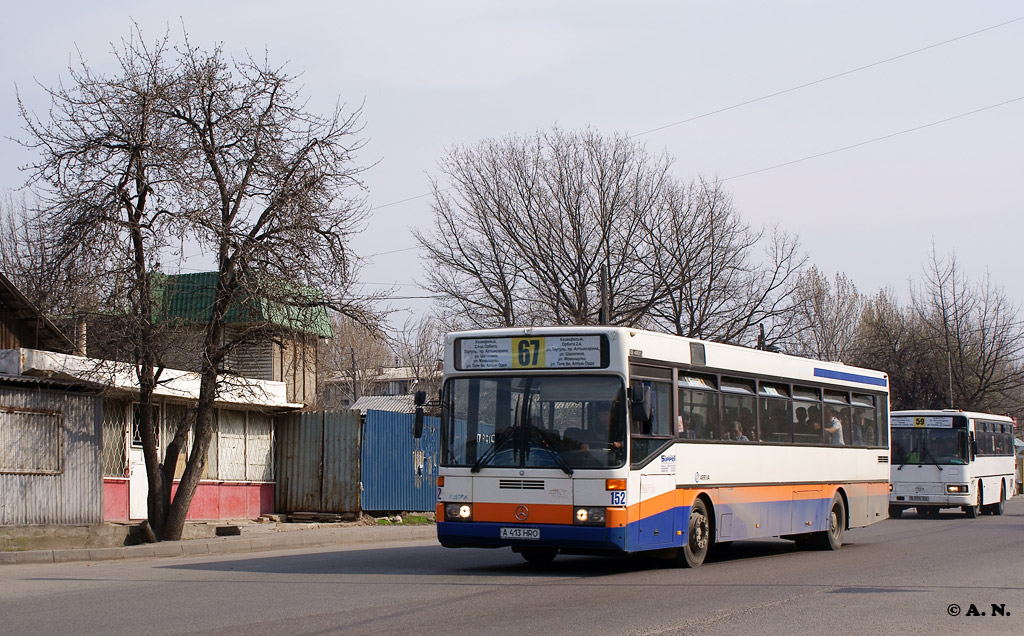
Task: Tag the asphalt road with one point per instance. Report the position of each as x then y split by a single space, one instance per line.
907 576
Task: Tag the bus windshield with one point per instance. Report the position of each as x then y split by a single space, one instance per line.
565 422
929 446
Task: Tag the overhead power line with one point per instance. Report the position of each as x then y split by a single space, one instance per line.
776 94
871 141
825 79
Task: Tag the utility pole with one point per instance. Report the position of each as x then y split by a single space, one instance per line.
604 316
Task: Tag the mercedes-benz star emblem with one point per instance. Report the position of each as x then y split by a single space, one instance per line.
522 512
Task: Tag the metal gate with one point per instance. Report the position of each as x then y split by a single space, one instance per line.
399 471
318 463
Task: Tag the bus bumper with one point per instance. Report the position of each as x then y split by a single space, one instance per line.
564 537
941 501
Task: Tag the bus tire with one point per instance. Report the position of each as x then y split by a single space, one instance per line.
972 511
698 536
895 512
832 539
539 556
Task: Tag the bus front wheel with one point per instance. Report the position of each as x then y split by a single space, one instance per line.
539 556
832 539
698 536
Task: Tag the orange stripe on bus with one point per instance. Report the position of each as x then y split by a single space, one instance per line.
506 513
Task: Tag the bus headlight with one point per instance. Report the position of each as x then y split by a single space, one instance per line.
589 516
458 512
958 489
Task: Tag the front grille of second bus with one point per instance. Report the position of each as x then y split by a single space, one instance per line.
521 484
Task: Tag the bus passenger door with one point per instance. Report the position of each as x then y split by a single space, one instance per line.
657 525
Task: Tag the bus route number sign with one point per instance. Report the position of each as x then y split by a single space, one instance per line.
530 352
908 421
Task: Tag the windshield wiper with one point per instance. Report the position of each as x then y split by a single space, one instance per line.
935 462
547 446
499 440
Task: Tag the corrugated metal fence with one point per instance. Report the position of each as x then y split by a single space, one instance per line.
318 467
328 462
399 471
50 467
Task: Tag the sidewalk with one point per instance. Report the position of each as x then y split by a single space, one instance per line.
259 537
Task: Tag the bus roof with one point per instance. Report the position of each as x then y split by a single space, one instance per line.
648 347
974 415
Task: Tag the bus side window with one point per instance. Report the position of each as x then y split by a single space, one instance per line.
698 408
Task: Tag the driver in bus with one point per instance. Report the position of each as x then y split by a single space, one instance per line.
604 425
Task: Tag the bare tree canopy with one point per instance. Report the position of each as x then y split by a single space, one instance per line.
713 283
958 343
525 227
31 259
351 362
827 317
979 331
184 143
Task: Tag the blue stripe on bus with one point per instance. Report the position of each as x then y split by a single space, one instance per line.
666 529
488 535
849 377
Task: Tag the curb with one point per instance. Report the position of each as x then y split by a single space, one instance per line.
290 540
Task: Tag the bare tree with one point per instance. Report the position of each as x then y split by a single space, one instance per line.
704 260
828 316
351 363
183 143
30 257
978 330
419 346
529 223
891 338
103 153
530 227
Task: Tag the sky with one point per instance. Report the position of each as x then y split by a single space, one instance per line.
874 130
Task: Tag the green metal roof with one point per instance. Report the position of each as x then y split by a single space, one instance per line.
188 299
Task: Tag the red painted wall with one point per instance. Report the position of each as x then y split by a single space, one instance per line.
115 499
213 501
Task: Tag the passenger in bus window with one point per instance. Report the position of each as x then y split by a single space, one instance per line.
814 417
834 429
736 432
861 430
801 424
748 425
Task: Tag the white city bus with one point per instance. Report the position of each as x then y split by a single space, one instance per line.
604 440
951 459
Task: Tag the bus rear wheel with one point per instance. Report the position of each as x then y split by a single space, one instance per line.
698 537
832 539
1000 506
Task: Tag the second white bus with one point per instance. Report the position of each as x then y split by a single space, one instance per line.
951 459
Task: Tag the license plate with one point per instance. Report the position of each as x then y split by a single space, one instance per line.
916 498
528 534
